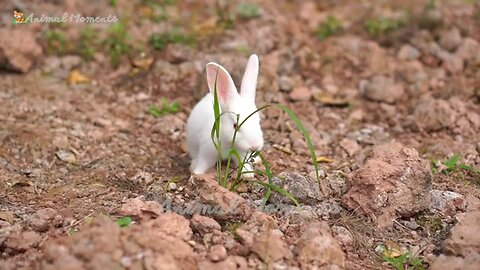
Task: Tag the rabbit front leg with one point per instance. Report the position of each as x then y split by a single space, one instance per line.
207 157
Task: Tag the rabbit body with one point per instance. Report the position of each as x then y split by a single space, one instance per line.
249 135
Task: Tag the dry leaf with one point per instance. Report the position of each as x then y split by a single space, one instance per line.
393 249
283 149
7 216
143 62
76 77
66 156
208 27
331 101
323 159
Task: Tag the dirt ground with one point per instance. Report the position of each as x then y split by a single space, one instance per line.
388 90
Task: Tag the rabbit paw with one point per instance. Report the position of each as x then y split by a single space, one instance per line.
247 167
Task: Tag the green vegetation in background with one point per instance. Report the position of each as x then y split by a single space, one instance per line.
116 42
56 42
381 26
124 222
167 108
88 42
248 10
328 28
159 41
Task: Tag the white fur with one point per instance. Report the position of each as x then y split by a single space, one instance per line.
201 119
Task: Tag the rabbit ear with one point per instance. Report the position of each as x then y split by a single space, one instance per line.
226 89
249 81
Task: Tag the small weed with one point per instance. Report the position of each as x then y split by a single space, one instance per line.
328 28
56 42
87 43
116 43
248 10
173 180
113 3
159 41
452 165
167 108
124 222
405 261
382 26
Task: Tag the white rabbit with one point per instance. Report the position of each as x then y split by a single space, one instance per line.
200 122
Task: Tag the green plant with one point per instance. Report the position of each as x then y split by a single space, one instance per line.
87 43
116 42
167 108
159 41
124 222
383 25
328 28
452 165
113 3
223 175
248 10
56 41
405 261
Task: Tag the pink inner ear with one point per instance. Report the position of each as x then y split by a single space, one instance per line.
223 90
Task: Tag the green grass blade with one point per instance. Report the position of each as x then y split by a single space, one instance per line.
279 190
305 134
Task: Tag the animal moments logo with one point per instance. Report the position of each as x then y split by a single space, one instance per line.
20 18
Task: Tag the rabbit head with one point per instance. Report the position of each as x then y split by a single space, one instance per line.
232 103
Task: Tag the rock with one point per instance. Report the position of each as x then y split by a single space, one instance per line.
350 146
317 247
473 203
217 253
177 53
269 246
70 61
300 93
453 63
383 89
168 125
204 224
285 83
464 238
343 235
224 204
336 181
304 188
434 114
408 52
228 264
447 202
394 182
102 244
142 178
470 262
413 72
137 209
172 224
450 40
20 50
474 118
22 241
469 51
44 219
